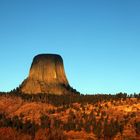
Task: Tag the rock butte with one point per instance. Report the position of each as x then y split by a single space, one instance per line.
47 75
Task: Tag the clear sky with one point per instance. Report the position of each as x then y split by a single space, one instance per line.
99 41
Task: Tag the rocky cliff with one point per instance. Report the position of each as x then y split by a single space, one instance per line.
47 75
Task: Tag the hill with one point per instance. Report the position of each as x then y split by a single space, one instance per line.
75 116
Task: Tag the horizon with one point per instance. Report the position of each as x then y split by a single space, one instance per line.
99 42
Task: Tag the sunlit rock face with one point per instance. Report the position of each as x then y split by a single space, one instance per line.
47 75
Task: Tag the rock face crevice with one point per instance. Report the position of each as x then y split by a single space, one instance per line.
47 75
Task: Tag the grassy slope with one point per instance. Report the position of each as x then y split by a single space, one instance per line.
129 108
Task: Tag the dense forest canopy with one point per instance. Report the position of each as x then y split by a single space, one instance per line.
76 97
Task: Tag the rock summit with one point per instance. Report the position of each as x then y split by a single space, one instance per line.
47 75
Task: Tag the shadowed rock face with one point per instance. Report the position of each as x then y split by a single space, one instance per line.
46 75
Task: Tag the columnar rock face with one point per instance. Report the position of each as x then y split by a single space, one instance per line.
47 75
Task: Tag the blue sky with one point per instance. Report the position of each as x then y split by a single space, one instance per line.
99 41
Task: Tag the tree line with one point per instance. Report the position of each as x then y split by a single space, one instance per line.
67 99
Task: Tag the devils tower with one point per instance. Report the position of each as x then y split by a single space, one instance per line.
47 75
